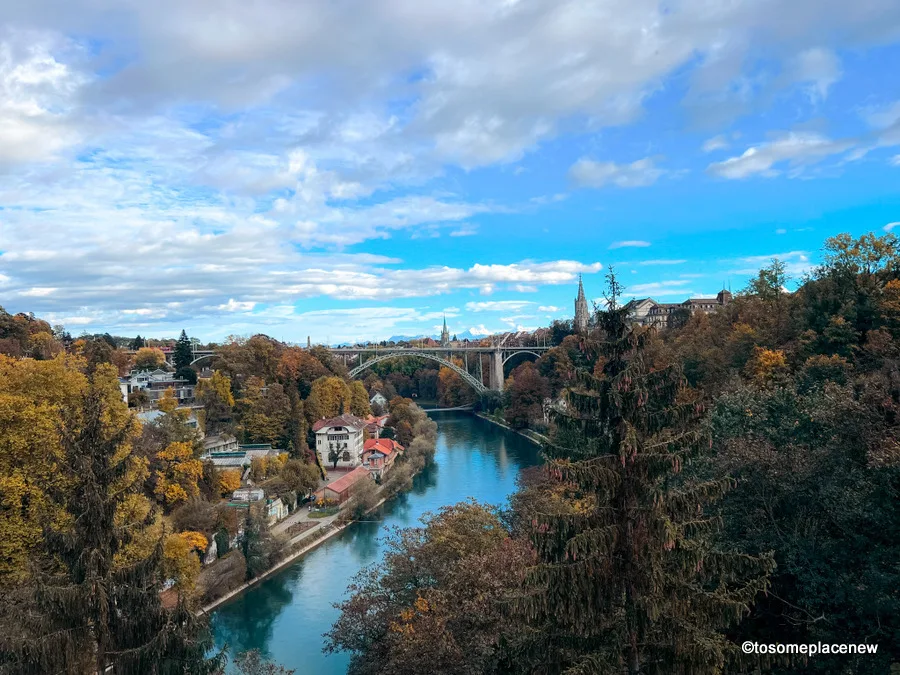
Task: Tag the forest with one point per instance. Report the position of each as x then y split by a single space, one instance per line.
734 477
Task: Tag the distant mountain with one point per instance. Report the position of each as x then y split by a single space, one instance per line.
474 333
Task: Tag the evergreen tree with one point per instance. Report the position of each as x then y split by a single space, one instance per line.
90 611
183 354
137 343
631 582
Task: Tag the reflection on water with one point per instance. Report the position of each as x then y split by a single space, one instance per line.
285 616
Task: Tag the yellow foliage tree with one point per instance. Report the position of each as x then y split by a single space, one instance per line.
229 481
181 562
214 394
177 473
359 399
37 399
149 358
767 365
33 396
328 397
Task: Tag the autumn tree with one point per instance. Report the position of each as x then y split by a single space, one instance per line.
229 481
33 396
253 663
264 412
526 389
176 474
298 368
633 583
149 358
359 400
437 601
214 395
328 397
452 389
87 612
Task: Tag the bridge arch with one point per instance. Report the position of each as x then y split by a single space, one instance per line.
514 354
378 358
201 358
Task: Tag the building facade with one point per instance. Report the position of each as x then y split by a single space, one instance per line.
379 455
648 312
341 437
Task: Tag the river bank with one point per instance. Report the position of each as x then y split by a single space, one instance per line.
364 500
285 614
528 434
318 535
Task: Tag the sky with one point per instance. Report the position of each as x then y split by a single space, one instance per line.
356 170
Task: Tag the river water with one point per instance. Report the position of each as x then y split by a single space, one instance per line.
285 616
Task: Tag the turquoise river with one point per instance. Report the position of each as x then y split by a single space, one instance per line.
285 616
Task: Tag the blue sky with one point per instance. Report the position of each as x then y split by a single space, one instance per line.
355 170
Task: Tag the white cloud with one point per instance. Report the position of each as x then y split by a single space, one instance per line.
895 160
631 243
498 306
781 230
37 93
588 173
660 288
232 306
663 262
817 68
466 230
715 143
548 308
891 226
796 263
795 149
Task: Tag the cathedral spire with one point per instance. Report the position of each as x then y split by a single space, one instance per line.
581 309
445 334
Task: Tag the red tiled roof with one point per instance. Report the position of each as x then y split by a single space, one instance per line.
385 446
347 480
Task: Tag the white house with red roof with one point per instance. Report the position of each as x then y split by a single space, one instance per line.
339 441
379 455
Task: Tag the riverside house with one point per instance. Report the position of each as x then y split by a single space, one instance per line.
379 455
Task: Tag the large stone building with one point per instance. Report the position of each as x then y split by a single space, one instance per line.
582 314
445 335
648 312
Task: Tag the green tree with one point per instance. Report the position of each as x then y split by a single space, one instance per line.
255 542
137 343
631 583
92 611
769 281
183 354
299 476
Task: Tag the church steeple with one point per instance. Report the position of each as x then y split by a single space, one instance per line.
445 334
581 309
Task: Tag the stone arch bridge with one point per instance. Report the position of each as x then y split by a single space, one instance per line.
499 356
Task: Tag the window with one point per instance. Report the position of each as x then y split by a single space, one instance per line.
346 456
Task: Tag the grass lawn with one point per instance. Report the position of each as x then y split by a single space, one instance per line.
324 513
